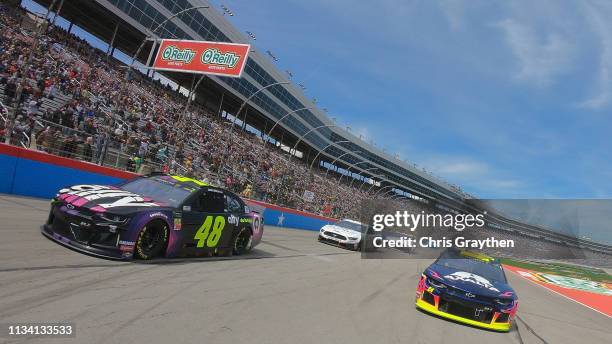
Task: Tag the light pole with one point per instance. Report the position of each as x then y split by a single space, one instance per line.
282 118
322 150
182 121
244 103
381 176
263 143
57 12
341 155
305 134
366 170
295 147
396 197
183 114
127 71
370 188
388 192
349 170
384 188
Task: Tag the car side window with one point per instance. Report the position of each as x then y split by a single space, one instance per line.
211 201
233 205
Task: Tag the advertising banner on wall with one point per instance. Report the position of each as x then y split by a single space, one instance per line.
225 59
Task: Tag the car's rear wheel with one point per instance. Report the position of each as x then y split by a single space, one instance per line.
152 240
242 242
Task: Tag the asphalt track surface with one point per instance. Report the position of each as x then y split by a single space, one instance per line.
290 289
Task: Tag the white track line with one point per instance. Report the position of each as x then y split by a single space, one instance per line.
558 293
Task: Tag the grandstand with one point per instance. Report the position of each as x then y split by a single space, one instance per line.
135 19
76 105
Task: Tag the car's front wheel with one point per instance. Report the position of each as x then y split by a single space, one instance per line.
242 242
151 240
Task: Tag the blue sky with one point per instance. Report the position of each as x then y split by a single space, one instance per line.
506 99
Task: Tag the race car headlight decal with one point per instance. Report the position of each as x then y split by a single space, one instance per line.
434 283
115 219
504 302
435 275
353 238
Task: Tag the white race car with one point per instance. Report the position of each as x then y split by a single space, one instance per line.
345 233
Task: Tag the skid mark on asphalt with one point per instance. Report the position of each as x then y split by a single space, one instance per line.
50 296
230 259
530 329
32 283
517 333
279 246
57 267
369 298
14 201
146 312
164 261
319 256
140 315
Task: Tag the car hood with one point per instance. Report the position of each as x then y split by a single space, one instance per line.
470 282
104 198
342 231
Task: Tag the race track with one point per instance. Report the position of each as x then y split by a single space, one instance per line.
291 289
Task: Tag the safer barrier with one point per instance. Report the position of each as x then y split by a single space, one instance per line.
290 218
37 174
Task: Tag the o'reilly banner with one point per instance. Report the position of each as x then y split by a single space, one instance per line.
226 59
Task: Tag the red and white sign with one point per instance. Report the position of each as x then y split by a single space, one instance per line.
226 59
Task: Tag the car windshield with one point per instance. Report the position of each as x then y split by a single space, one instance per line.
171 194
350 225
492 272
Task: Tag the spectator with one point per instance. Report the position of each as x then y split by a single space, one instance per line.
88 149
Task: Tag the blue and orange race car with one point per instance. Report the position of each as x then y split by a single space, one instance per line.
157 215
470 288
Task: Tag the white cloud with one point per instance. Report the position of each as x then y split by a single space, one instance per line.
461 168
541 58
476 177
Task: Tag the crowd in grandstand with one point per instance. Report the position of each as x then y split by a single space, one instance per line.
137 120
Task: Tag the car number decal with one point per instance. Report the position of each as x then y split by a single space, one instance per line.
204 235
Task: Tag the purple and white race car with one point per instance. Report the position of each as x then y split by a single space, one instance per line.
158 215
